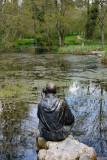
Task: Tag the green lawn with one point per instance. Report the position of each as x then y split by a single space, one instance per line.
24 42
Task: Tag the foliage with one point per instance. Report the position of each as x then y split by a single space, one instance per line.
92 19
37 20
47 24
25 42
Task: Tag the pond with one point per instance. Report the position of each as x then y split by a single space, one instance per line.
82 80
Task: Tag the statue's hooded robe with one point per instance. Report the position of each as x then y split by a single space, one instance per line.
53 116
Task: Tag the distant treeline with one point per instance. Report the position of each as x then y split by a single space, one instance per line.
49 23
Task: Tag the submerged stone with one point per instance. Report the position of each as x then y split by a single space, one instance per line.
68 149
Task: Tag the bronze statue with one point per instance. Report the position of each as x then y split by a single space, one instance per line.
54 115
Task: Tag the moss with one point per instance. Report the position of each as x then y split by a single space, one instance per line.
13 90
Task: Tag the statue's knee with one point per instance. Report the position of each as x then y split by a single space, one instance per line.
41 143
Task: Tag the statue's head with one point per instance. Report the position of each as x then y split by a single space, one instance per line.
50 88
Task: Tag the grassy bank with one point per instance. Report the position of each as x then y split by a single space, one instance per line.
73 44
84 50
79 49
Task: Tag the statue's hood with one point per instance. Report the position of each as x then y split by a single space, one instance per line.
50 103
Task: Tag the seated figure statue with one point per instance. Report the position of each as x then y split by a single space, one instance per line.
54 115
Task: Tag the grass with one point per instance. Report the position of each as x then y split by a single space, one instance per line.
25 42
73 40
79 49
76 44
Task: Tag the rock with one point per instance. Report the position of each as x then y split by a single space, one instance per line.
102 158
97 53
85 157
68 149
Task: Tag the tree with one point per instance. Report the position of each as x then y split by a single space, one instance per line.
58 23
61 8
102 15
92 15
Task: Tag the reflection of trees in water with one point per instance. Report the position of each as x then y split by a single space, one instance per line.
11 116
101 144
104 86
89 104
57 69
102 119
101 109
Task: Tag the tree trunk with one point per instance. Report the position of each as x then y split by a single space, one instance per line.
87 23
60 41
88 8
59 25
92 15
102 34
34 24
102 17
1 5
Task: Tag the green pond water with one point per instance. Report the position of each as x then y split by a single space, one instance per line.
82 80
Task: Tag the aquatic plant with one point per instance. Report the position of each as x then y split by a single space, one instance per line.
14 90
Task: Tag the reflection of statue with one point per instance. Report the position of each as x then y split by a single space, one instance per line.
54 115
